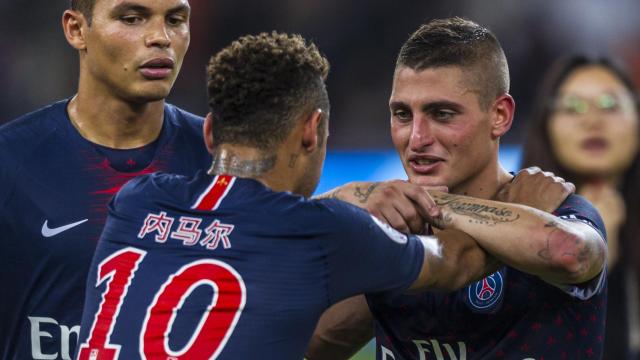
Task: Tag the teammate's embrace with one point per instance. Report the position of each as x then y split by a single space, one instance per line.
236 263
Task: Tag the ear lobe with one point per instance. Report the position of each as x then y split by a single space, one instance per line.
72 25
502 115
207 132
310 133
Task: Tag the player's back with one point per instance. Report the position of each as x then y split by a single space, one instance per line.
222 266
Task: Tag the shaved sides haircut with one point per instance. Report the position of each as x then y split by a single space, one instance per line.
462 43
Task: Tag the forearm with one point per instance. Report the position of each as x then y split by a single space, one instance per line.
457 262
525 238
356 193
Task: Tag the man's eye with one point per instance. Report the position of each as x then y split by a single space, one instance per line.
131 19
176 20
402 115
443 115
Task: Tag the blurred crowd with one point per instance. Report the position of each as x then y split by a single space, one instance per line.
359 37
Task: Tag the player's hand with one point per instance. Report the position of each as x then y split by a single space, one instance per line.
404 206
536 188
610 204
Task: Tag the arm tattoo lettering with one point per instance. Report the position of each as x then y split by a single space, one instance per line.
363 196
477 213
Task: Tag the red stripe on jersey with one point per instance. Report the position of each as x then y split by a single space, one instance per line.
211 198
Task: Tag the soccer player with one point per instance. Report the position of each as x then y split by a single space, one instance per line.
449 107
63 163
235 262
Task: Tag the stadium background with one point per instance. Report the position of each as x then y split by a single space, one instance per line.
360 38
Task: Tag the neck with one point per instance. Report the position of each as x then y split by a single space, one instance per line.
242 162
485 184
272 169
113 122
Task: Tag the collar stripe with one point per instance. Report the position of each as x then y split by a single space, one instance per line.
211 198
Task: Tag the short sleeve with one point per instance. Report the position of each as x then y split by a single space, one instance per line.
577 208
368 256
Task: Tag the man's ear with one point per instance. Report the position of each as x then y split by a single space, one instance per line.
73 25
502 115
310 131
207 132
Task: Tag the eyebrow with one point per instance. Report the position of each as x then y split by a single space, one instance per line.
130 6
430 106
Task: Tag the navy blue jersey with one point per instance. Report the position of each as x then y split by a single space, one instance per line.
507 315
222 267
54 190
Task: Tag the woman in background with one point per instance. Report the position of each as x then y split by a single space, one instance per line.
586 129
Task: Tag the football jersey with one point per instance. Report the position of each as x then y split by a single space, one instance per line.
507 315
54 190
221 267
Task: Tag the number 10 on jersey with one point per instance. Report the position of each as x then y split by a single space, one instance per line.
206 342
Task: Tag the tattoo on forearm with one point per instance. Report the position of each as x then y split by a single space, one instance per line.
477 213
335 194
227 162
363 196
443 221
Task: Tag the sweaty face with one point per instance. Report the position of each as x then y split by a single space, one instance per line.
594 125
134 48
440 131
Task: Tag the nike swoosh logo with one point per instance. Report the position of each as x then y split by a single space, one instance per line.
49 232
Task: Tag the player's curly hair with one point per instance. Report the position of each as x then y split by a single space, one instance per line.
459 42
84 6
260 85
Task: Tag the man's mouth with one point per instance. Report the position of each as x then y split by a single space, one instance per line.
424 165
157 69
425 161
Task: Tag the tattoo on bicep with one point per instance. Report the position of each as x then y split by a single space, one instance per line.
363 196
477 213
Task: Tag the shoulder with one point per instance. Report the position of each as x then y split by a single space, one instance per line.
184 119
22 137
32 126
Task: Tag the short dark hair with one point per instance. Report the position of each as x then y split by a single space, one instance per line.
84 6
459 42
261 84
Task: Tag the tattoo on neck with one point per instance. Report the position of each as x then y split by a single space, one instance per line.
477 213
363 196
293 160
230 163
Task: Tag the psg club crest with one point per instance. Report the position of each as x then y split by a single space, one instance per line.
486 295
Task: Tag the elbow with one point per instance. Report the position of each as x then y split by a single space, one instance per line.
574 257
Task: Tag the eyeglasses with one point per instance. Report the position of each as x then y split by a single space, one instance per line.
574 105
